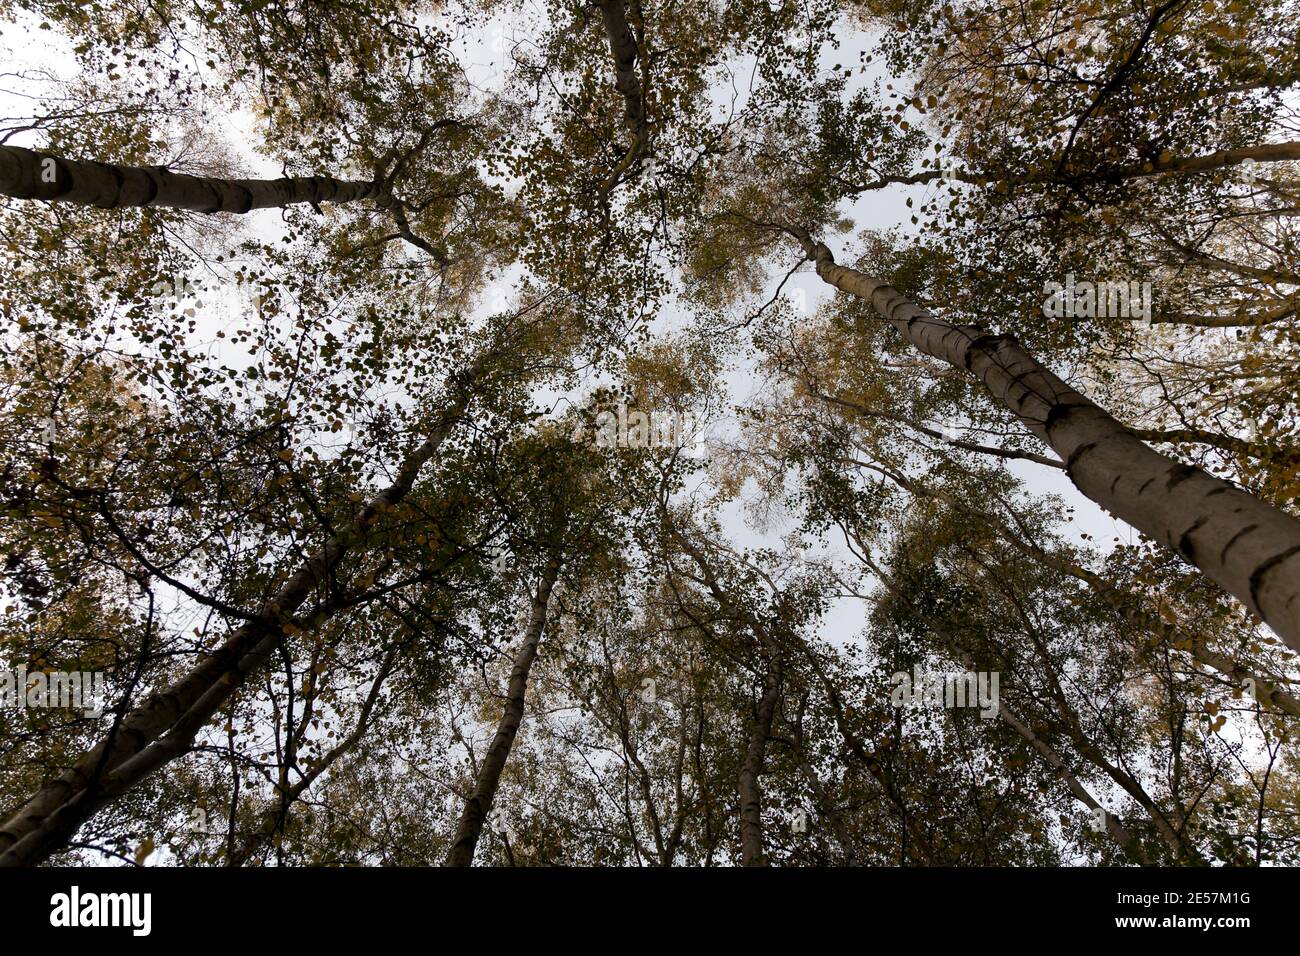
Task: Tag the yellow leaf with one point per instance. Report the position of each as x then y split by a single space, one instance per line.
143 851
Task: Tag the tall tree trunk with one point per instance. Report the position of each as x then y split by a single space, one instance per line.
1222 159
479 803
163 726
1077 789
1267 153
751 793
27 174
1248 547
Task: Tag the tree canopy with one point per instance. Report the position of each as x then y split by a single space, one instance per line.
634 433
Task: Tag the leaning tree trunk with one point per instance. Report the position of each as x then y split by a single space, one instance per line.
625 53
479 803
1245 545
1113 826
27 174
163 726
1221 159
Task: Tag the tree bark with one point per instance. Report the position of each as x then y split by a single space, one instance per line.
1077 789
1268 153
1246 546
27 174
1234 320
1222 159
625 52
751 793
163 726
479 803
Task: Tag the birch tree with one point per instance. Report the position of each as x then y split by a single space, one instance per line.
557 460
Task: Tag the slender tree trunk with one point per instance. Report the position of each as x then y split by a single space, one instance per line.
749 786
1248 547
751 793
479 803
163 726
1077 789
27 174
1223 159
1268 153
1243 319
